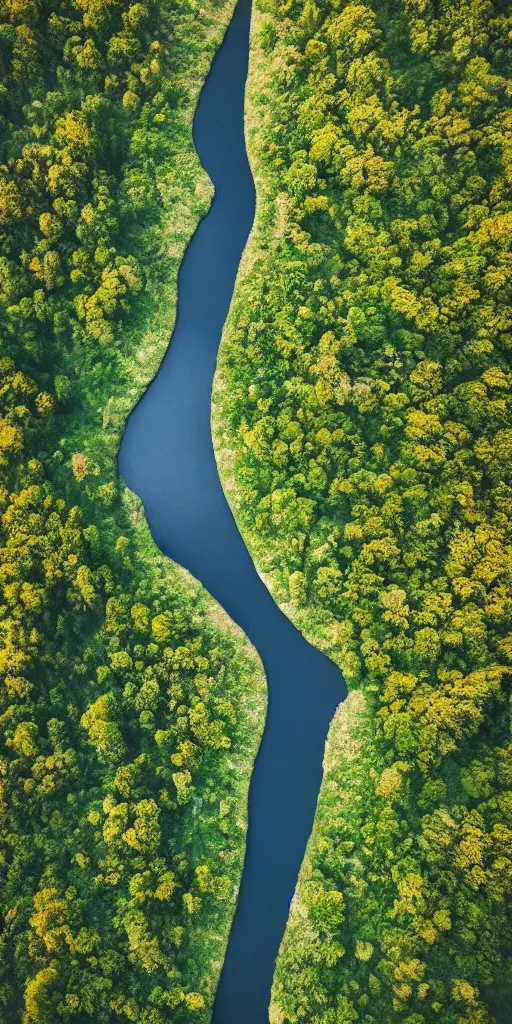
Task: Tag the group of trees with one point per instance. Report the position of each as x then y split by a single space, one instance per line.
125 744
367 396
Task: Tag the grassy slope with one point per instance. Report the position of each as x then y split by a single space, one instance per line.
186 193
345 778
320 629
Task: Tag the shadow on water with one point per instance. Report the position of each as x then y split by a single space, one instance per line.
167 458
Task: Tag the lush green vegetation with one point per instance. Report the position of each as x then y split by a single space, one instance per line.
363 420
127 737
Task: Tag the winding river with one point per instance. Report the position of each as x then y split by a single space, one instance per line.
167 458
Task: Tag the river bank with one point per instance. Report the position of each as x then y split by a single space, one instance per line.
129 739
167 457
186 194
365 321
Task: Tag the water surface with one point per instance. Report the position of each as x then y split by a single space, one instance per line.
167 458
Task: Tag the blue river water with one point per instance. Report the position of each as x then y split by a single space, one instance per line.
167 458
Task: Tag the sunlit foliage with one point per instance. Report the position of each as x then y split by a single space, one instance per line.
122 785
367 391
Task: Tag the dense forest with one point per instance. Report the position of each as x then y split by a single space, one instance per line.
131 709
364 399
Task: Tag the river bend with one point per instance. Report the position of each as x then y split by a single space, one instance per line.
167 458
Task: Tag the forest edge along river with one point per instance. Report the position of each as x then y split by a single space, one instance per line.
167 458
